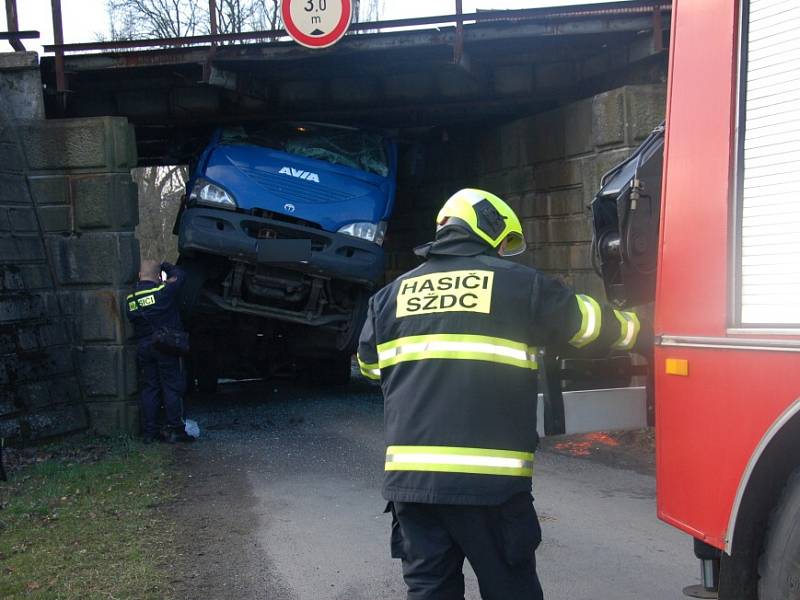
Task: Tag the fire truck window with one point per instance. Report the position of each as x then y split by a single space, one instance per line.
768 286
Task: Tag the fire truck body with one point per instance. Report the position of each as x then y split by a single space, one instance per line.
727 368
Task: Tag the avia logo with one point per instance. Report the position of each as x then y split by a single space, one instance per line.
300 174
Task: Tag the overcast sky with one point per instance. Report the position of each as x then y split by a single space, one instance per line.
85 19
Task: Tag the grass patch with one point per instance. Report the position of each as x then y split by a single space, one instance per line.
88 528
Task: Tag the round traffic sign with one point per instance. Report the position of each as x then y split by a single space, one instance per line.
316 23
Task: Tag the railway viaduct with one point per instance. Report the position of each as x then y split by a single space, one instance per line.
534 105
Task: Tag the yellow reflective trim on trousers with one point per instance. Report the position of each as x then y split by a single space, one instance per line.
445 459
629 330
591 321
459 347
370 370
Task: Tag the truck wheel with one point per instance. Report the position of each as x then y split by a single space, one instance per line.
779 565
333 371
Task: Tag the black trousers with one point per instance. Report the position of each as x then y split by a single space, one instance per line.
160 378
499 541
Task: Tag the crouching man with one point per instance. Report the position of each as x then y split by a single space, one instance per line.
154 304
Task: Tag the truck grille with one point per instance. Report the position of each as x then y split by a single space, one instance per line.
291 189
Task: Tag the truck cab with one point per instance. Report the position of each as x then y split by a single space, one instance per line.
281 231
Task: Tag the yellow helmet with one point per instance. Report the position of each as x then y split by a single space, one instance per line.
488 217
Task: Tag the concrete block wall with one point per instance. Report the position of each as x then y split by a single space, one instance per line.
68 256
547 166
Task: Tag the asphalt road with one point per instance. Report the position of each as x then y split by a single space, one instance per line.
283 496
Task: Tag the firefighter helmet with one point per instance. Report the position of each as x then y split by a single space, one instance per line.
487 216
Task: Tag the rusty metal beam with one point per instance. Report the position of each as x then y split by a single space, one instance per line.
658 31
28 34
458 47
617 9
12 21
58 38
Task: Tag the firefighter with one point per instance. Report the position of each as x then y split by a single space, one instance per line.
154 304
454 344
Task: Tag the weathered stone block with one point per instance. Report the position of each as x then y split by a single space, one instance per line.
560 202
50 392
646 106
100 370
60 421
570 229
21 85
20 307
12 189
101 317
18 60
578 128
545 139
55 219
608 116
97 258
27 340
114 418
49 189
54 334
580 256
559 173
7 404
5 222
105 201
22 219
11 278
104 143
36 276
131 369
511 136
87 259
551 257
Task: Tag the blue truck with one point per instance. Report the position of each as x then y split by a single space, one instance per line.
281 232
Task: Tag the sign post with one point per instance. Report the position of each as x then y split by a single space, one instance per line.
316 23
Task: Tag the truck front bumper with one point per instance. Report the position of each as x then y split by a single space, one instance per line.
267 241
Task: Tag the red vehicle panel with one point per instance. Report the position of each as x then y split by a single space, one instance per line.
710 420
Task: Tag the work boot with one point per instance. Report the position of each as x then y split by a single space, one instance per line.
181 437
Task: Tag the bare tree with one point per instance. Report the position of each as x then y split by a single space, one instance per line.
160 193
130 19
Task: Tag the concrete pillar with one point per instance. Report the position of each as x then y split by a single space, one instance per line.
68 256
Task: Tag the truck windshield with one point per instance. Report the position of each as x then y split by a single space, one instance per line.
339 146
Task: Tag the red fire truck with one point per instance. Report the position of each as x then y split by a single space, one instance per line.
725 276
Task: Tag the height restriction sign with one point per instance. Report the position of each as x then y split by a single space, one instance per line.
316 23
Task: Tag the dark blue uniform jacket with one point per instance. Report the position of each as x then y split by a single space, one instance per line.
153 305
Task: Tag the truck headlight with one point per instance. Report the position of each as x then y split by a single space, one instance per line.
209 194
373 232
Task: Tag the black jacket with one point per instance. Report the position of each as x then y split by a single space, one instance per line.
153 305
454 343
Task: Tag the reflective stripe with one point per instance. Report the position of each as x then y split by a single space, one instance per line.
591 321
446 459
150 291
370 370
457 346
629 330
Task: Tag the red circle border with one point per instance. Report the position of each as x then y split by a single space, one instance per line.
317 42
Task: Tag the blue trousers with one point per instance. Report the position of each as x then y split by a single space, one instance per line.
160 379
